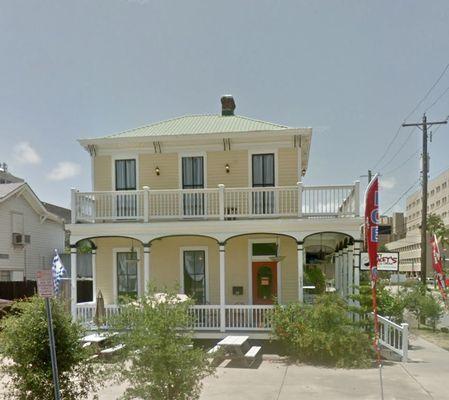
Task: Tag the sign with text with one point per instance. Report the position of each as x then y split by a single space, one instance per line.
386 261
45 287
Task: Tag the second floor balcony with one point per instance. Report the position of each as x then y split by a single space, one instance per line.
220 203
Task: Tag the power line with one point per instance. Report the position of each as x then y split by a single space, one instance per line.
428 92
411 113
412 155
401 197
402 164
400 148
437 99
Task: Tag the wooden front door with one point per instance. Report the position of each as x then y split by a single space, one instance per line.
264 282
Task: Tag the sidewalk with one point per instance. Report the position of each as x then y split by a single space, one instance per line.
426 376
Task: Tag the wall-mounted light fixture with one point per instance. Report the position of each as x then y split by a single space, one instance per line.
227 168
157 170
303 172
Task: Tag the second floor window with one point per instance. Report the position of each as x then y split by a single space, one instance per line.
192 172
263 170
125 175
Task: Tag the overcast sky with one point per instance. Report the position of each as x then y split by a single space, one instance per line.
352 70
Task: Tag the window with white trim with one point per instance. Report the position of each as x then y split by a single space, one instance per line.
194 270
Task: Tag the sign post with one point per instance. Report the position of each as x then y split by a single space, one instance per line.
45 288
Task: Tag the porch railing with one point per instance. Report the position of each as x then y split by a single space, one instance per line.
219 203
394 337
204 317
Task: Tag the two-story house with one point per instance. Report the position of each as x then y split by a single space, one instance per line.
29 233
214 204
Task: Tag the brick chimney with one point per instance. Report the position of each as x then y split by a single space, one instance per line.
227 105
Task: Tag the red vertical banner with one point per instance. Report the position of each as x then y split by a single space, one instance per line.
437 264
371 243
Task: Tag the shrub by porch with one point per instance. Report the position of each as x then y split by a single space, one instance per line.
322 333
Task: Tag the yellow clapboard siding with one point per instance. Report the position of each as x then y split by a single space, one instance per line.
102 173
238 168
168 167
166 262
288 167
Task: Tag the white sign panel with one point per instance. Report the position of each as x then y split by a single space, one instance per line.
45 286
386 261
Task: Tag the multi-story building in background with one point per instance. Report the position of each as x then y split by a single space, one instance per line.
409 248
391 228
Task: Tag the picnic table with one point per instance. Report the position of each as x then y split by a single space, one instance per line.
236 348
100 340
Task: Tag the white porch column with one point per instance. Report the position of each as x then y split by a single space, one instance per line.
337 271
146 266
222 288
350 272
346 270
94 274
300 261
73 279
357 246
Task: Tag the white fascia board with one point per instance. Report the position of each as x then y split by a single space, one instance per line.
145 140
219 230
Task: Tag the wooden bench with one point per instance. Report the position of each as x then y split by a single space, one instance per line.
213 350
216 355
252 354
111 350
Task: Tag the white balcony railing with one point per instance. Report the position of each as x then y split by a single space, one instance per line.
218 203
204 317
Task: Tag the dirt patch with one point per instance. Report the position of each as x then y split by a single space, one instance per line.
439 338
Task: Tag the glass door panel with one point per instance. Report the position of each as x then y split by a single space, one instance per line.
125 179
263 201
193 178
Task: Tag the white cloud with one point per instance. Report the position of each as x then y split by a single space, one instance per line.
64 170
25 154
387 183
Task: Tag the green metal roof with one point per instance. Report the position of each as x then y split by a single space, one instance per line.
200 124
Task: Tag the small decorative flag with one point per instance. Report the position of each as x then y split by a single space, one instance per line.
58 270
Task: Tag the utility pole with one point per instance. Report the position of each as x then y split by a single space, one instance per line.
424 176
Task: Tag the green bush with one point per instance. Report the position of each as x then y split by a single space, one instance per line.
322 333
161 363
431 310
388 305
423 306
24 340
315 277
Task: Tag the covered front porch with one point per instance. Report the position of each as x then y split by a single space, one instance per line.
235 282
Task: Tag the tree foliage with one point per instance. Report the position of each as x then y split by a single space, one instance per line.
322 333
423 306
24 340
435 226
388 304
161 362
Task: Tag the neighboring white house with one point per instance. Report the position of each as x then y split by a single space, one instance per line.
29 233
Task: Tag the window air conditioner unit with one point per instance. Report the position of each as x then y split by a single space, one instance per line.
17 239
